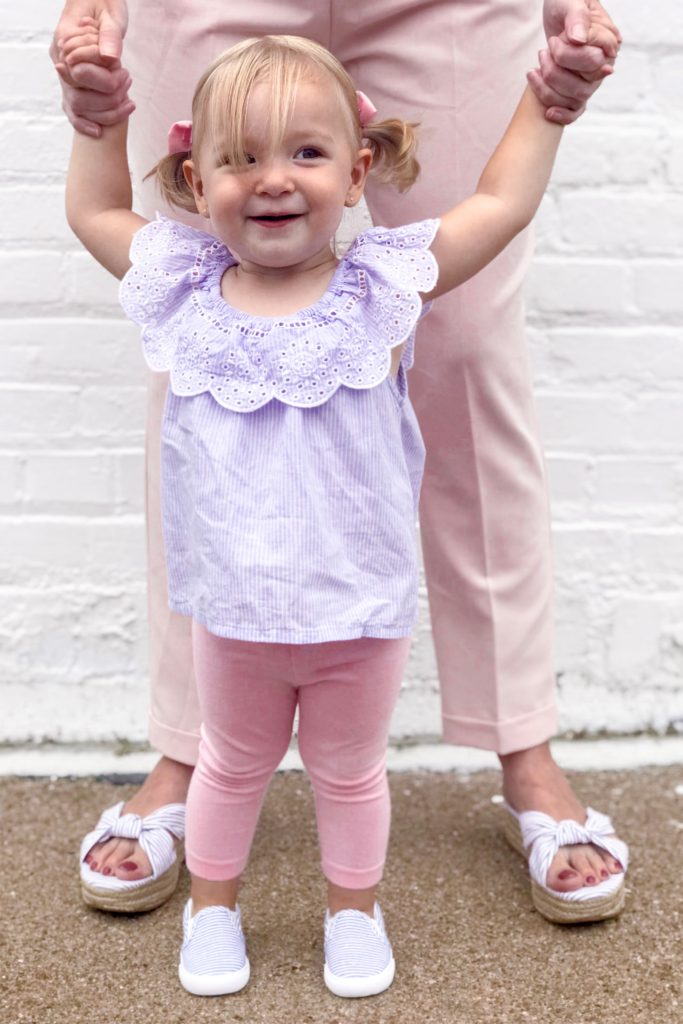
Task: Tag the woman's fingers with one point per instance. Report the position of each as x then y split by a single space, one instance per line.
93 97
576 87
587 58
559 108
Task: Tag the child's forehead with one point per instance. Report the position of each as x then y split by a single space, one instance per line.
313 94
315 104
275 109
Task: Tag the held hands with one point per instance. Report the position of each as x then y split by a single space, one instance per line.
86 51
583 43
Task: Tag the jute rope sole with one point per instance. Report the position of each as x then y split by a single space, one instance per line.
134 901
554 908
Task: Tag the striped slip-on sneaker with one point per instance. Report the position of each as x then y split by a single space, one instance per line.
213 956
358 956
159 834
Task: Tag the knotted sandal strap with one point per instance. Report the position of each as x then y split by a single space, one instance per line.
157 834
538 837
543 836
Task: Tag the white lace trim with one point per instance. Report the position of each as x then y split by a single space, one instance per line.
371 305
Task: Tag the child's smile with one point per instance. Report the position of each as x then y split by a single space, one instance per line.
275 220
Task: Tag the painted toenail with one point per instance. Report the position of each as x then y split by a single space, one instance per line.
604 874
564 875
591 879
129 865
106 871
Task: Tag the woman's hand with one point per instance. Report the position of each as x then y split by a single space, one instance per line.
86 51
583 43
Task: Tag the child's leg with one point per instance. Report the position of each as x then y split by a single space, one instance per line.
347 694
248 706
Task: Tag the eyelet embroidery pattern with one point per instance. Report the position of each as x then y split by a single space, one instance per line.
372 304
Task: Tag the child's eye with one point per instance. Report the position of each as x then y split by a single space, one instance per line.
224 161
308 153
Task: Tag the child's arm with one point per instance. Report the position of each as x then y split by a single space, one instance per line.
98 189
99 197
507 197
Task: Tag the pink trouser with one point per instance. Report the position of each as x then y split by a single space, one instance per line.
458 67
248 692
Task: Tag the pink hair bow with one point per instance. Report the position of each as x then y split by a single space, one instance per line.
180 137
366 108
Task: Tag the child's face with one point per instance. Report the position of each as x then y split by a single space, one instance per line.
283 209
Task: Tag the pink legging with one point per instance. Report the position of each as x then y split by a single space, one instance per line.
248 692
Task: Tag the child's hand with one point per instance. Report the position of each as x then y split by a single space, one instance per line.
83 46
85 51
583 43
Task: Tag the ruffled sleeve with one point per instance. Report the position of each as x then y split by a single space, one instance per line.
371 305
169 261
400 265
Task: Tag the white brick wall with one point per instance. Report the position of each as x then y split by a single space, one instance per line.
605 312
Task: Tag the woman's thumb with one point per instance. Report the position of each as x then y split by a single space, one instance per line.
577 22
111 36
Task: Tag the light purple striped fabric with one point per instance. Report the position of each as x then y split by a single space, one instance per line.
356 945
291 461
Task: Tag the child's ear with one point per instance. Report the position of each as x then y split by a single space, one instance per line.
191 175
359 174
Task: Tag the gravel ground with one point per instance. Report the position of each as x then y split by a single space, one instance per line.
469 947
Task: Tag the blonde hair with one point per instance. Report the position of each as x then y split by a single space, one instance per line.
220 103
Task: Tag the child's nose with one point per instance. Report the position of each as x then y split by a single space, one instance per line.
275 179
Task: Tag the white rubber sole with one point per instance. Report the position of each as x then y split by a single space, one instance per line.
356 988
214 984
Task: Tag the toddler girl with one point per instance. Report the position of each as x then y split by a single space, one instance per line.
292 458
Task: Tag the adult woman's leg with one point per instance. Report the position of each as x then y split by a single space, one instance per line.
459 68
167 47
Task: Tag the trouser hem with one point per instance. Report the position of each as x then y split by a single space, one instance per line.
174 743
502 737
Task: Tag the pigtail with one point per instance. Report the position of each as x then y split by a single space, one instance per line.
171 181
393 144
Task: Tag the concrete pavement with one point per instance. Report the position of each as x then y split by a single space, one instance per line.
469 947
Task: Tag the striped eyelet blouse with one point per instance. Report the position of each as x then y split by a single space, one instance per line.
291 459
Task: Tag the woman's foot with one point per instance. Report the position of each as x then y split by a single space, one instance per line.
532 781
167 783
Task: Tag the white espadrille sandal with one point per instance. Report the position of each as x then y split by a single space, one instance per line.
538 837
157 834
